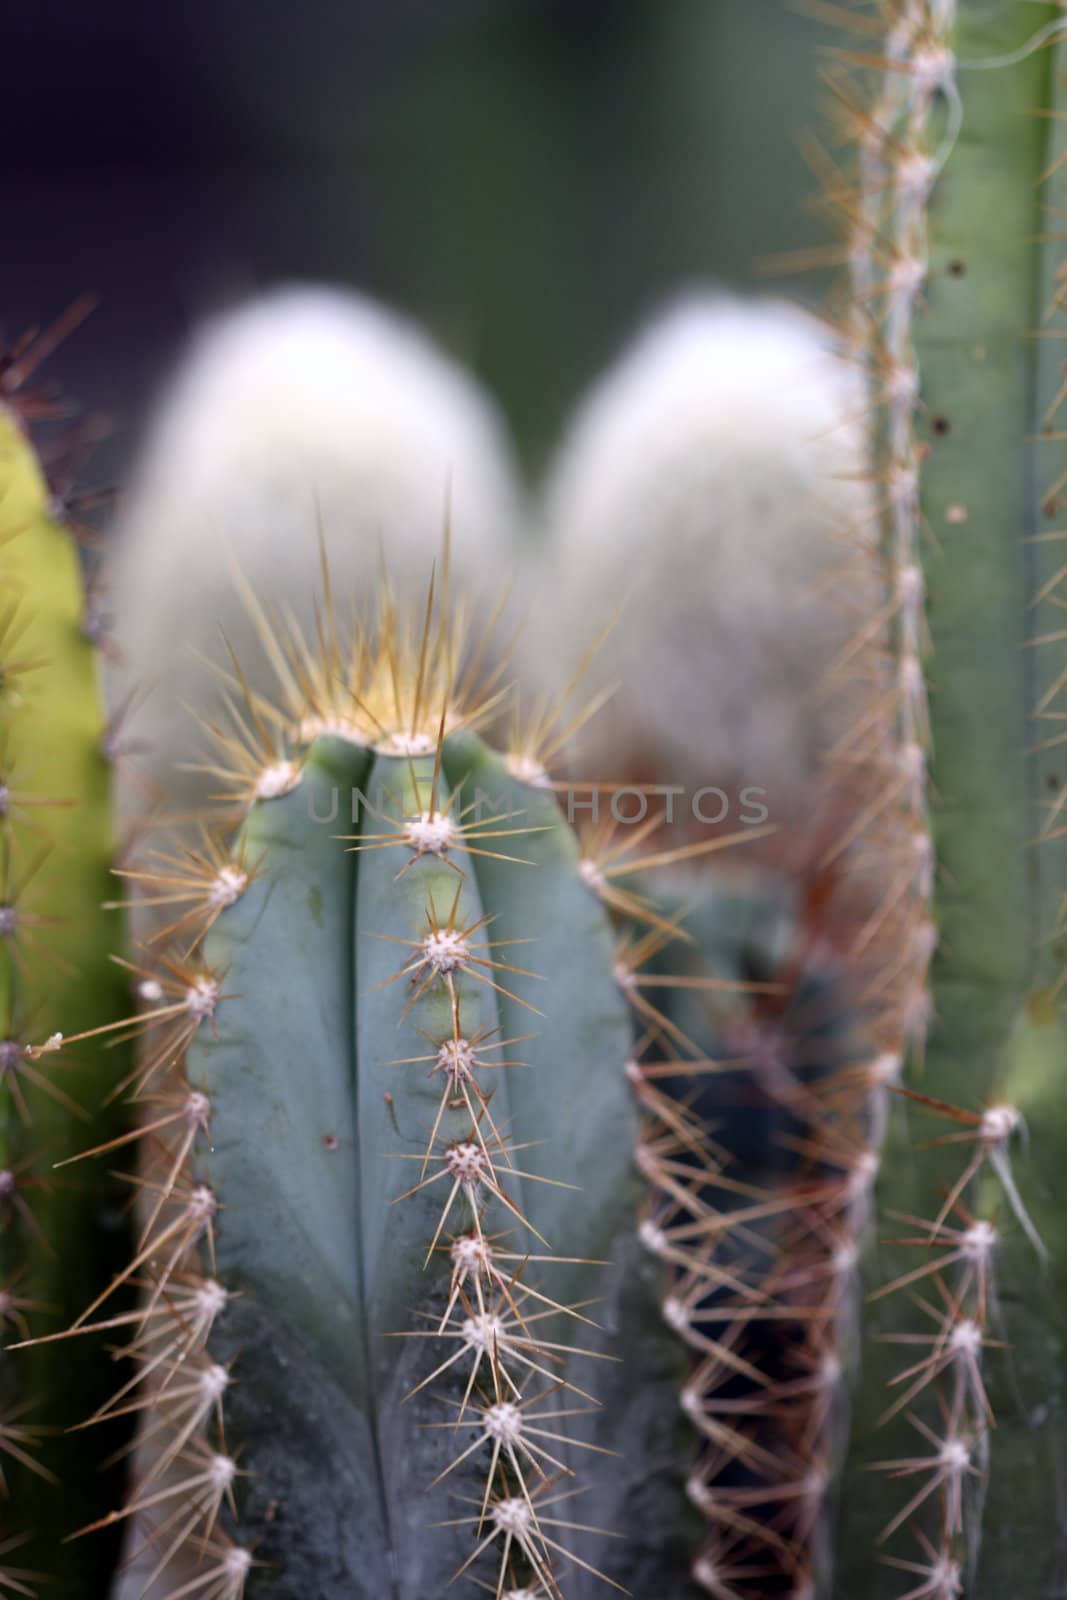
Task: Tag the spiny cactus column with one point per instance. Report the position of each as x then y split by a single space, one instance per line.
958 318
62 1231
398 1310
754 1078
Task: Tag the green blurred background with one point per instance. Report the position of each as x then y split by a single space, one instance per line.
528 177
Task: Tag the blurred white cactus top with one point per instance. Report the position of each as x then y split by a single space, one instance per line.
704 495
308 408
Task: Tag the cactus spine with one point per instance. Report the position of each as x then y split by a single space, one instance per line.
62 1236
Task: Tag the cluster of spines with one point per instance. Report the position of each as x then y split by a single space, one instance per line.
515 1391
889 257
765 1269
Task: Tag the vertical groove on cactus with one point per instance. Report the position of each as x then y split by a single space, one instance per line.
62 1232
956 307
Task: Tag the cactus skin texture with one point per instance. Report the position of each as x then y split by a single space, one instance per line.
953 1481
62 1232
397 1200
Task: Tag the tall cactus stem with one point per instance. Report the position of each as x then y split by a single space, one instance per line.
955 305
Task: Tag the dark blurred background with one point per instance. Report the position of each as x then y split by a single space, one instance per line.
527 177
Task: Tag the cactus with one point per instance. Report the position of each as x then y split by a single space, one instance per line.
62 1230
399 1325
956 312
769 1027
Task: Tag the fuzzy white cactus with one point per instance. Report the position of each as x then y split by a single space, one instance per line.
707 495
308 408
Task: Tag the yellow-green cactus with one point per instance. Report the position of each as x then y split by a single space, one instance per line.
62 1230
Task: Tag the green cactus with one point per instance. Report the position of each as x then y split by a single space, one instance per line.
958 317
62 1230
397 1212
